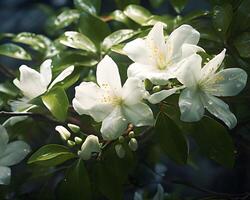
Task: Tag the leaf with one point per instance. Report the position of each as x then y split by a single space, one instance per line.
51 155
78 41
76 184
119 16
91 6
137 13
57 102
242 16
89 24
156 3
172 141
242 44
117 37
167 20
123 3
222 17
194 15
14 51
178 4
214 141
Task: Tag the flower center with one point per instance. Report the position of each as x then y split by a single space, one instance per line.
112 99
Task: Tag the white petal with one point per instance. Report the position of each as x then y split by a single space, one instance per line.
138 51
30 82
190 49
90 145
189 71
219 109
5 174
190 105
185 34
228 82
159 96
4 139
139 114
107 75
14 153
212 66
64 74
133 91
46 72
89 100
114 125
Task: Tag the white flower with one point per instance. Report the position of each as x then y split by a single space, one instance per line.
64 133
203 84
114 105
10 154
33 84
90 145
157 59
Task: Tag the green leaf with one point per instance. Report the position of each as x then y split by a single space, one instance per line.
194 15
222 17
242 16
64 19
178 4
117 37
123 3
137 13
156 3
242 44
89 24
91 6
119 16
214 141
171 139
57 102
14 51
51 155
78 41
167 20
76 184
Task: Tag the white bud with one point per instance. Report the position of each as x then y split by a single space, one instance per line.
90 145
133 144
64 133
120 151
78 140
71 143
74 128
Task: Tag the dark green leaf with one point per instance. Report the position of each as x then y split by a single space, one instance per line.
214 141
156 3
171 139
242 44
121 4
57 102
178 4
51 155
14 51
76 184
90 6
194 15
242 16
119 16
137 13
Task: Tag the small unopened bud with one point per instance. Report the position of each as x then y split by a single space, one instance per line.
121 139
148 84
133 144
120 151
74 128
131 134
78 140
90 145
71 143
157 88
64 133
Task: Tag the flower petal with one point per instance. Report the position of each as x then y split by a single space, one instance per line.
139 114
90 145
212 66
228 82
4 139
89 100
190 105
30 82
46 72
114 125
190 49
5 175
14 153
64 74
107 75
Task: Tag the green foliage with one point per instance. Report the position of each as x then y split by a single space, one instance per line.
90 6
14 51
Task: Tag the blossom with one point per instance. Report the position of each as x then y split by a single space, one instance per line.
90 145
10 154
33 84
204 85
158 59
109 102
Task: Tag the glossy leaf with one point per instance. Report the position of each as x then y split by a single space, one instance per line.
90 6
178 4
242 16
14 51
242 43
119 16
137 13
156 3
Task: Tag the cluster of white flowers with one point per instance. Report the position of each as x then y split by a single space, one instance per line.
158 60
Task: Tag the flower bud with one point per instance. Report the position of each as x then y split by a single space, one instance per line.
64 133
131 134
71 143
133 144
90 145
157 88
148 84
74 128
120 151
78 140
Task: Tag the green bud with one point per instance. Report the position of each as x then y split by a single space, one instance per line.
64 133
120 151
148 84
74 128
131 134
121 139
78 140
71 143
157 88
133 144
